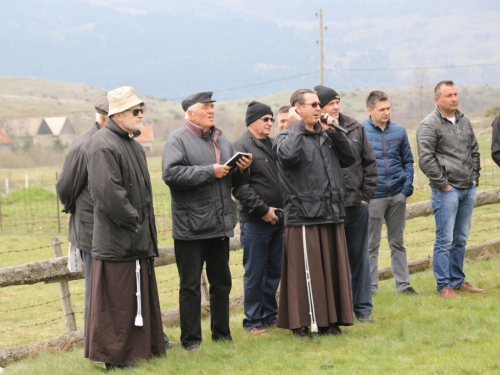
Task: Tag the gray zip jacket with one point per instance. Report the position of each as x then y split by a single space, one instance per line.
202 207
449 153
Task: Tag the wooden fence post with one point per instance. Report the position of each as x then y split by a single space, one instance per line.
69 315
205 296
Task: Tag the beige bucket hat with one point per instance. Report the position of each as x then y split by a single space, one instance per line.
121 99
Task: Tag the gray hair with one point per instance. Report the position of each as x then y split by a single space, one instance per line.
192 108
437 89
374 97
298 97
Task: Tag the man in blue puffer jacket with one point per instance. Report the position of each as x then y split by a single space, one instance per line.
395 183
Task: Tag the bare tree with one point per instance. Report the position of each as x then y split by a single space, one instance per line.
422 92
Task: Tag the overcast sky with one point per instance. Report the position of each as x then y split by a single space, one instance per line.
241 49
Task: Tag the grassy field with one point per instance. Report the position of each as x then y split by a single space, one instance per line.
412 335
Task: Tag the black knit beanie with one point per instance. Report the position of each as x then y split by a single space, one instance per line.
256 110
326 95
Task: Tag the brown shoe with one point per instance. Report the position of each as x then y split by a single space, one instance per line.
257 331
466 287
448 292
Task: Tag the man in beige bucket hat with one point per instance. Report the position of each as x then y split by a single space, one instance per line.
124 320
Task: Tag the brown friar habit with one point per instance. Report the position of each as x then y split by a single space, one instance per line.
330 277
112 336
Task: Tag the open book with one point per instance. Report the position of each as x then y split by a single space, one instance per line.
232 162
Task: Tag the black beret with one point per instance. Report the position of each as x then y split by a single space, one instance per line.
102 106
256 110
200 97
326 95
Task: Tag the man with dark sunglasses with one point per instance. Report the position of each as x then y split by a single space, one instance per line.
315 278
124 321
259 203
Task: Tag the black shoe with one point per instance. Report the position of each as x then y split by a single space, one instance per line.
409 290
193 348
169 344
365 319
301 333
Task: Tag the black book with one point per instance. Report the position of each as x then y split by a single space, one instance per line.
232 162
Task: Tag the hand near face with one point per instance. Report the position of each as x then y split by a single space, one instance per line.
244 162
221 170
329 121
292 117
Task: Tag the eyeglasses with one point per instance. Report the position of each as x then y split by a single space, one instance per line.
314 105
266 119
136 111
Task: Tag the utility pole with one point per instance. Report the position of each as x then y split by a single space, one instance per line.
321 66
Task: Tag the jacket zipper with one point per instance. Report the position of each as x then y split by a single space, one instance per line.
386 164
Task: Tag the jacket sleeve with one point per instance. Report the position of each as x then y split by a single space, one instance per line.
246 195
426 144
369 165
476 157
344 147
177 173
288 144
407 159
109 196
72 178
495 140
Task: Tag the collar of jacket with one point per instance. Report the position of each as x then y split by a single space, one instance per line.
369 120
200 132
458 115
113 126
347 122
258 142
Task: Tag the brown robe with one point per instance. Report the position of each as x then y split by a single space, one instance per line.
330 277
112 336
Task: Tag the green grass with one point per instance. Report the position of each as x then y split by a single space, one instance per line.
412 335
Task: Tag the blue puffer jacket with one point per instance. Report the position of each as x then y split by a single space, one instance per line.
394 158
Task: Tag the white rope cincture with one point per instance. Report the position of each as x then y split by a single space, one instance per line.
138 318
312 312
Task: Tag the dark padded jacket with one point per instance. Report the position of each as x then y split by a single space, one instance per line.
394 158
202 206
124 221
449 153
310 174
72 188
495 140
262 190
360 179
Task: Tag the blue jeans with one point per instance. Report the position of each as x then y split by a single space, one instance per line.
262 253
356 233
452 213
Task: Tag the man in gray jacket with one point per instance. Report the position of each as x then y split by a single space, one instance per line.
259 202
72 188
203 215
449 157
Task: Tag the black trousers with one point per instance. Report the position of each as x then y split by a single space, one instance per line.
190 257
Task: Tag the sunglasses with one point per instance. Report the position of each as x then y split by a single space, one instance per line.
314 105
136 111
266 119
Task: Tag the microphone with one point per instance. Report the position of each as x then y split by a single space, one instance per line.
324 120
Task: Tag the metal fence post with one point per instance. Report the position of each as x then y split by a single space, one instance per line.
69 314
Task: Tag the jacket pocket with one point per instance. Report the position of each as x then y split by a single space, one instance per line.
202 216
85 229
311 205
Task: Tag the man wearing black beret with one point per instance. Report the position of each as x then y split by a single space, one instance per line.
360 182
203 215
259 201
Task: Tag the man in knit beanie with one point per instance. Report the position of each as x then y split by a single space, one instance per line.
260 206
360 182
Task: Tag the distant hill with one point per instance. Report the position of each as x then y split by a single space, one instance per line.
32 97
